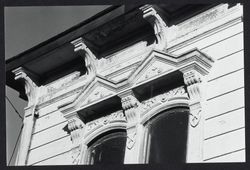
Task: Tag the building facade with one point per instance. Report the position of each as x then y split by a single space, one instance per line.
136 84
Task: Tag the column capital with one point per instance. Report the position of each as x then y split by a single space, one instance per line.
193 80
75 126
192 77
130 105
76 129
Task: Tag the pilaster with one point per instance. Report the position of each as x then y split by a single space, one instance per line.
76 129
134 129
30 112
193 81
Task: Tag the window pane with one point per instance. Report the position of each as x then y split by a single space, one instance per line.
108 149
167 137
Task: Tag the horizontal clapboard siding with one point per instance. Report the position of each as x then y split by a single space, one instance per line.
225 112
225 103
224 66
49 135
47 110
214 38
224 123
48 121
61 159
224 119
235 156
53 105
224 144
226 47
49 150
225 84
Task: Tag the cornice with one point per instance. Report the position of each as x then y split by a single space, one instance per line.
222 18
194 59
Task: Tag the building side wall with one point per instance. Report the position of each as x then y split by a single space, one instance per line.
51 143
224 131
224 127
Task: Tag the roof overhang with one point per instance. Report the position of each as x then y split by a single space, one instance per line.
104 33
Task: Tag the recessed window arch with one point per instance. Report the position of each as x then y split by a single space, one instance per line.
107 148
166 136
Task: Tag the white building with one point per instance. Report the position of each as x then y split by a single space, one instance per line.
141 84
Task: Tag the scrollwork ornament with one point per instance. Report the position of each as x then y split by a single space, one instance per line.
160 27
162 98
75 154
86 53
195 117
75 126
103 121
131 139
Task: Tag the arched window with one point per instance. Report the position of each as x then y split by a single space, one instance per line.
167 136
108 148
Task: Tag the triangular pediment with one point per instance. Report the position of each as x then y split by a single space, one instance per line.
100 89
155 65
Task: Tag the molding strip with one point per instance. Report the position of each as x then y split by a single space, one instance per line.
224 154
211 137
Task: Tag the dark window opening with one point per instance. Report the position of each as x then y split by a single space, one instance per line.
108 149
167 137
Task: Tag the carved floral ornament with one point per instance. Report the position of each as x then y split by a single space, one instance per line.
154 65
131 139
130 104
103 121
149 104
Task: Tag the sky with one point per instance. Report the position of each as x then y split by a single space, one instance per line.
26 27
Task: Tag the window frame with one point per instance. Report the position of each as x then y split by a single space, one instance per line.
154 112
96 133
146 141
101 136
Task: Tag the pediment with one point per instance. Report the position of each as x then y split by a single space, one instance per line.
98 90
155 65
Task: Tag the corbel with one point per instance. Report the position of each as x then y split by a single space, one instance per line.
30 87
31 112
76 130
89 58
134 129
152 15
194 83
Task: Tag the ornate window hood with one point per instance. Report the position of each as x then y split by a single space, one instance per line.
155 68
99 99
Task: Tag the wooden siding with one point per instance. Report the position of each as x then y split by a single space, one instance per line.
224 120
225 116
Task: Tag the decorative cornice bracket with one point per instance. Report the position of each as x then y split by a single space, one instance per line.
193 81
159 25
86 53
130 105
31 88
76 127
